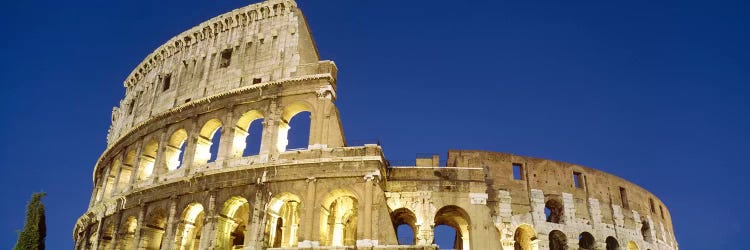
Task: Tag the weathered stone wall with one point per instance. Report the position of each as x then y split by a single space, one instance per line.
158 184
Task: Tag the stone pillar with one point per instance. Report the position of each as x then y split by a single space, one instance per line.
308 222
160 163
116 188
139 226
569 213
258 222
537 206
368 207
268 146
227 134
208 234
135 175
103 183
189 155
167 243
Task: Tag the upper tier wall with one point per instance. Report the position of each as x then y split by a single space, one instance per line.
555 178
263 42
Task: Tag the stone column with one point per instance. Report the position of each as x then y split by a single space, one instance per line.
208 234
227 134
160 163
189 155
368 207
139 226
116 187
255 231
308 223
167 243
135 175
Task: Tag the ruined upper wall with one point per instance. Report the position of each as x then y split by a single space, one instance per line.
253 45
553 178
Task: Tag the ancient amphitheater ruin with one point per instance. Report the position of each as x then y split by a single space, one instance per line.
176 173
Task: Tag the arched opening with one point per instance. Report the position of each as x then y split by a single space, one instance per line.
405 224
525 238
111 178
188 232
586 241
147 159
632 246
153 232
126 172
612 243
127 234
207 144
233 223
108 233
297 116
646 232
557 240
282 221
247 134
553 211
175 149
456 218
338 219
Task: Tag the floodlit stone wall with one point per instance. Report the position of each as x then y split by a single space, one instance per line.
176 173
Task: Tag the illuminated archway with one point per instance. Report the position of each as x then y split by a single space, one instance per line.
175 149
405 225
558 240
147 159
240 142
188 232
525 238
106 236
338 219
282 220
127 234
126 172
207 143
111 178
233 223
152 233
290 111
456 218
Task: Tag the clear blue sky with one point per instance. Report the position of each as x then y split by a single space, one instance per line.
653 91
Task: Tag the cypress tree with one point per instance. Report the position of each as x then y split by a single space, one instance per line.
35 229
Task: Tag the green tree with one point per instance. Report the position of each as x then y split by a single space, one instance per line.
35 229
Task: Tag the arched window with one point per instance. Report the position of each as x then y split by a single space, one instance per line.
525 238
612 243
294 127
283 220
147 160
586 241
111 178
189 229
557 240
207 145
127 233
404 222
247 134
127 171
175 149
553 211
233 223
456 218
646 232
338 219
155 226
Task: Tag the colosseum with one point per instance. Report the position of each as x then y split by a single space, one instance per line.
177 172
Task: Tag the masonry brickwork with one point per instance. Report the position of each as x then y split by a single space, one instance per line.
176 173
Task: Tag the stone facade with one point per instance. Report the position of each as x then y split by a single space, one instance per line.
159 184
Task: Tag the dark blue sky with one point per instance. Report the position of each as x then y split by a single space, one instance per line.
653 91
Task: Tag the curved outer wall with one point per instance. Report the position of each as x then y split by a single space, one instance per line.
176 175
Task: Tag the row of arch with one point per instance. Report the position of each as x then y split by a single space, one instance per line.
176 151
554 211
280 220
221 24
